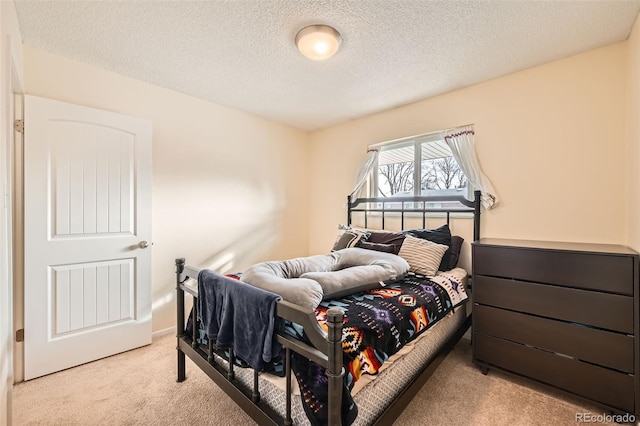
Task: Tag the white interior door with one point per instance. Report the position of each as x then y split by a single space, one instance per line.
87 203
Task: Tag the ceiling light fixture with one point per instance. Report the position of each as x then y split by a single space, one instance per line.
318 42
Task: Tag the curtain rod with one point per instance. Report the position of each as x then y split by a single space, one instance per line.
378 144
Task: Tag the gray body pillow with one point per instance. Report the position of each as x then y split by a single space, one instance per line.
306 281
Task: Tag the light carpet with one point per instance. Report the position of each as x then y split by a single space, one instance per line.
139 388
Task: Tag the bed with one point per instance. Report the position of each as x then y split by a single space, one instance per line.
312 339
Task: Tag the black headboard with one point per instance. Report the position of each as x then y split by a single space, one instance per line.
416 205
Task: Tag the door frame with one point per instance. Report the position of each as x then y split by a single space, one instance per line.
18 239
12 86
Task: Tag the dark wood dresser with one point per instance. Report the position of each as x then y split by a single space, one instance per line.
565 314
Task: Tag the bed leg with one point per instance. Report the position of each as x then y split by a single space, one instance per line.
210 357
335 372
181 367
231 375
180 320
255 396
287 370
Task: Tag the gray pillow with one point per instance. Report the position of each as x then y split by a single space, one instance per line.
394 264
350 280
305 281
283 277
359 270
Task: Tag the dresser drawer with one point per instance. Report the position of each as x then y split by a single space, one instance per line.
600 347
608 311
596 383
611 273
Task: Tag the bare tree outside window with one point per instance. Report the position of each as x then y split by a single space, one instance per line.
442 173
395 178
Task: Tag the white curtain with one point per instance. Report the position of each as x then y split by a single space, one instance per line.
364 172
461 143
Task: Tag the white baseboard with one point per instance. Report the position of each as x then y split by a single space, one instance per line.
160 333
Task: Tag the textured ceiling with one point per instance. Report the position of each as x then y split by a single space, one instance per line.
241 53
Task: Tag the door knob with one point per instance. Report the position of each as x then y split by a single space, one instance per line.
143 244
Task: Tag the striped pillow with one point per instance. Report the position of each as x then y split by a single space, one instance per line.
423 256
349 237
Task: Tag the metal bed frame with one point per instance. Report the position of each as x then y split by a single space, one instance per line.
325 348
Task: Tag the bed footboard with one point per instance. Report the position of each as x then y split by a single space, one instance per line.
326 352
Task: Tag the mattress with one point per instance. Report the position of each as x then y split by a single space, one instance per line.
373 398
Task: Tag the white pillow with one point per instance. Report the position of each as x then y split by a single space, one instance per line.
423 256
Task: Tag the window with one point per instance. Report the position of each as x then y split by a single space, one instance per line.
422 165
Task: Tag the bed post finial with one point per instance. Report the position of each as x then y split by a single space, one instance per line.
476 214
180 265
335 373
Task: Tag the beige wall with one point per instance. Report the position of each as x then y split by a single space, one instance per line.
550 138
633 139
229 188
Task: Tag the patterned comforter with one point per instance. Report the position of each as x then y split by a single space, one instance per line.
377 324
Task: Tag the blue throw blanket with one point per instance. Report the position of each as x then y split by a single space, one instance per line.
238 316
